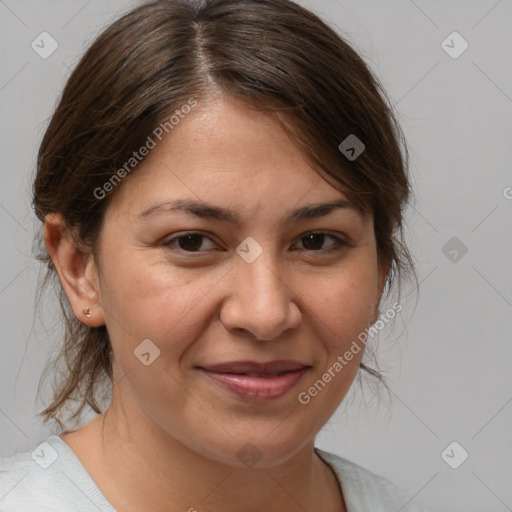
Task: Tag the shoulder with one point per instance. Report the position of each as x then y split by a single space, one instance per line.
365 490
47 478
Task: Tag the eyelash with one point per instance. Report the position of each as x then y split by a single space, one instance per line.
338 246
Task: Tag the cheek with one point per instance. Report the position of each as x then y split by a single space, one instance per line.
343 304
143 300
341 309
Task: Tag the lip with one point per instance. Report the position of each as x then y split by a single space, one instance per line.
254 381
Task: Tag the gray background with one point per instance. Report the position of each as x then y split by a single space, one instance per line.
448 357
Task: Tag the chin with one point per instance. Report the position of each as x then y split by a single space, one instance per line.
258 452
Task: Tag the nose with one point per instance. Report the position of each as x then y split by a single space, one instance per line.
262 303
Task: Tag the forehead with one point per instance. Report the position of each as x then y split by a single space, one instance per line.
225 152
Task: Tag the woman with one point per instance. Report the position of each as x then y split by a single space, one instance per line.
221 186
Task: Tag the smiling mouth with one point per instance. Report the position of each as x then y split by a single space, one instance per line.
256 382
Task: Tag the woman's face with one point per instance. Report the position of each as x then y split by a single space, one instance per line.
248 288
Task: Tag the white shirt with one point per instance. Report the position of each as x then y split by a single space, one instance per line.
50 478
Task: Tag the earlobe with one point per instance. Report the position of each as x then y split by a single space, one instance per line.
76 269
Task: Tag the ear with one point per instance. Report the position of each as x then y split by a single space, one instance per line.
77 270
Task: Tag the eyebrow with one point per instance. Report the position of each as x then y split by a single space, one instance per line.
208 211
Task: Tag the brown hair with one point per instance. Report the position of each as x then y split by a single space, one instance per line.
272 54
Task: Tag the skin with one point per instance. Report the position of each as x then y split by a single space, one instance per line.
169 429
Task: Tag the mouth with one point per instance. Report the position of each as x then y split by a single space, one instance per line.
256 382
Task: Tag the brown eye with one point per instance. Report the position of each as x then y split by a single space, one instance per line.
314 241
187 242
190 242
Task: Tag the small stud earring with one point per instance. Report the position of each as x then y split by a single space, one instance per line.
86 312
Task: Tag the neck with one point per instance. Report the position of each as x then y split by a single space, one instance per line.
140 467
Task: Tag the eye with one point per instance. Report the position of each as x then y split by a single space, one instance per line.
187 242
314 241
194 242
